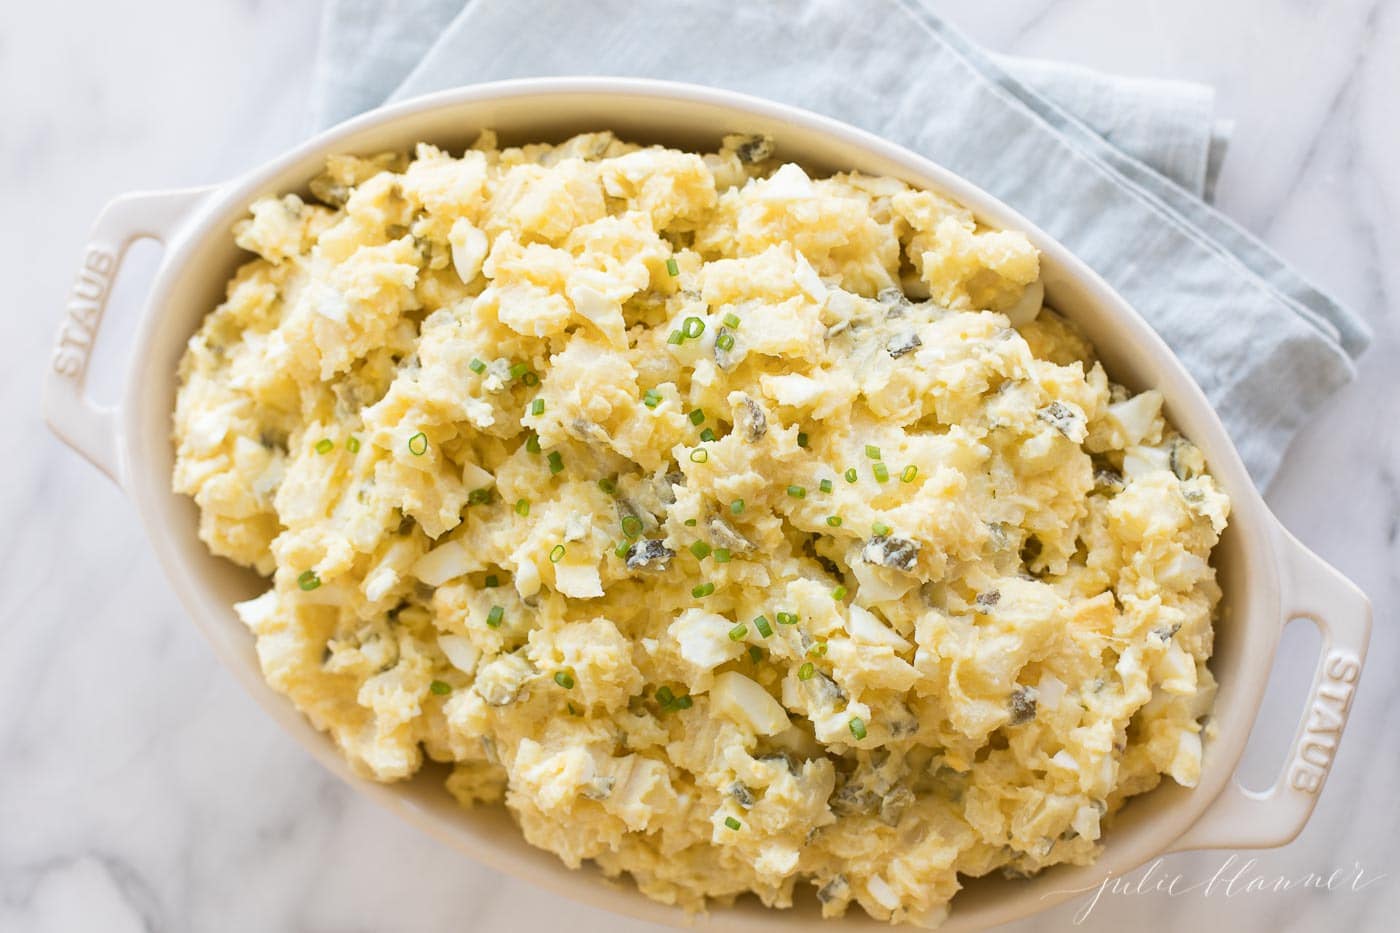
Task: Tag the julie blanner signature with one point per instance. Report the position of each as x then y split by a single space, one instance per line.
1236 877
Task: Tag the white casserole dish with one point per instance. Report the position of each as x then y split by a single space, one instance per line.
1268 578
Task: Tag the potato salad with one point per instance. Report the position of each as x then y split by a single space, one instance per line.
740 531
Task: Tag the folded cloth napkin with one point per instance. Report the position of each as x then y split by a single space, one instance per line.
1116 169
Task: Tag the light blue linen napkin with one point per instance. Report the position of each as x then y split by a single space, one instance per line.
1119 170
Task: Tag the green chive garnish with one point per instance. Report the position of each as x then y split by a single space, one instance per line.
564 679
839 593
731 822
530 379
607 485
725 341
556 553
851 475
440 688
908 473
631 526
522 507
556 462
532 443
673 267
492 581
683 702
882 473
806 671
834 521
818 650
786 618
518 370
622 548
664 696
477 366
731 320
494 617
325 445
479 497
676 338
722 555
707 435
699 455
696 416
801 438
703 590
765 628
418 444
872 451
652 398
825 485
537 407
857 728
755 653
738 632
797 492
737 506
352 444
880 529
308 580
692 327
690 523
700 549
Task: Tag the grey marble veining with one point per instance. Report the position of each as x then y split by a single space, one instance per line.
141 790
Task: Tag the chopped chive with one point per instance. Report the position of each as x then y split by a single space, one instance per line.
325 445
839 593
834 521
872 451
664 696
817 651
522 507
908 473
440 688
631 526
607 485
857 728
622 548
556 462
308 580
495 616
652 398
825 485
737 506
731 822
697 416
851 475
787 618
738 632
699 455
352 444
492 581
418 444
537 407
801 438
563 679
806 671
673 267
797 492
479 496
530 379
676 338
880 529
755 653
683 702
722 555
765 628
692 327
700 549
731 320
556 553
703 590
707 435
477 366
532 443
725 341
882 473
518 370
690 523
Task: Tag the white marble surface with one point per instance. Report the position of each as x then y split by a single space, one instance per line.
140 789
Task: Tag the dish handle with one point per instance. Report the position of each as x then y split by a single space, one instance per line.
87 427
1244 819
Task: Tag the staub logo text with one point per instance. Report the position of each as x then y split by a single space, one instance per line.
1326 717
84 311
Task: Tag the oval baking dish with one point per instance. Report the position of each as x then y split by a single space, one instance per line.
1267 577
